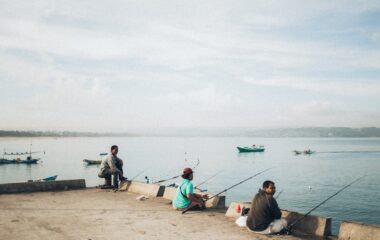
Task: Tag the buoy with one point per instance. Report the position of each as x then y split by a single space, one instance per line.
237 208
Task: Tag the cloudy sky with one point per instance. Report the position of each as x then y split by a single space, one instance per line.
133 65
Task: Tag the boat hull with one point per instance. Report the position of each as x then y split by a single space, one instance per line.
51 178
18 161
247 149
92 162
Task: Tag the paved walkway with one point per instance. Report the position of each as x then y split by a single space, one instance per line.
104 214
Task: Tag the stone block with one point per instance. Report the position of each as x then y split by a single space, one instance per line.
169 193
148 189
358 231
42 186
311 225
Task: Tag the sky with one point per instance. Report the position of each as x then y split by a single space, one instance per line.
109 66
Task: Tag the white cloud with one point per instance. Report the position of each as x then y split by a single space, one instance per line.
334 86
161 62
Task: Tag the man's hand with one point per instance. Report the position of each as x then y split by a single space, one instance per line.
204 196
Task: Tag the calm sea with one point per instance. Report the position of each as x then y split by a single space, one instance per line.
305 180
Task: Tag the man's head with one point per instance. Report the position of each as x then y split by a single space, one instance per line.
269 187
187 173
114 150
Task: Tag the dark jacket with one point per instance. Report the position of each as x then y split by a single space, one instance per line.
264 210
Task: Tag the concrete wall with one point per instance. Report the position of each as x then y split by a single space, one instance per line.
216 202
42 186
311 225
358 231
169 193
148 189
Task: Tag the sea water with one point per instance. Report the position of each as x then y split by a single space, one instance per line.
305 180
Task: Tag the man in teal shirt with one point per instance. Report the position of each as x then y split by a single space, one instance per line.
185 197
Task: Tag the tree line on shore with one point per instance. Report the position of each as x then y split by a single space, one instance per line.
283 132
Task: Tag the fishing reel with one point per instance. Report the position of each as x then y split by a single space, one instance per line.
286 231
147 179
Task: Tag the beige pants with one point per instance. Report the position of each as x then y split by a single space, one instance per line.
274 227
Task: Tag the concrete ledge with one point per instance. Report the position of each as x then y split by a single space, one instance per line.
216 202
312 225
42 186
169 193
358 231
153 190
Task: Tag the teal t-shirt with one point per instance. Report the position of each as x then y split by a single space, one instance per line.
179 200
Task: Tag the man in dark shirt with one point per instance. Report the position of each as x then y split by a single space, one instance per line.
265 215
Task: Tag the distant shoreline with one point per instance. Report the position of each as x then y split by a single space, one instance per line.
311 132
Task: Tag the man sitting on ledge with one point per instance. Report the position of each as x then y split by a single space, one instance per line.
265 216
112 166
185 197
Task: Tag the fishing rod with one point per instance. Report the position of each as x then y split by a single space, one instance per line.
289 228
164 180
278 195
225 190
208 179
138 174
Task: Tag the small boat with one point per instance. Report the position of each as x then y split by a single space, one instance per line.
17 159
51 178
251 149
97 161
92 162
47 179
308 152
297 152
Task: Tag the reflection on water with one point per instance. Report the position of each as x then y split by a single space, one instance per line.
305 180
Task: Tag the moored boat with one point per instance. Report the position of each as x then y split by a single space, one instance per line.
306 152
97 161
92 162
16 157
51 178
251 149
47 179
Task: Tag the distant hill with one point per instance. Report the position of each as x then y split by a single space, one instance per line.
60 134
317 132
279 132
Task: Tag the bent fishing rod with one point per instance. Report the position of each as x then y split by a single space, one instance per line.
278 195
138 174
164 180
208 179
225 190
289 228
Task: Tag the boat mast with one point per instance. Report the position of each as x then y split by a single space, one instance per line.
30 149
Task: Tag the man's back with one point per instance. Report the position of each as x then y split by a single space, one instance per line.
264 210
109 164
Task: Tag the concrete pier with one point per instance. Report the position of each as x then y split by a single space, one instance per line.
42 210
42 186
99 214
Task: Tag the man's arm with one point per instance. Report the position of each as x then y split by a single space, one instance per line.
274 209
112 164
